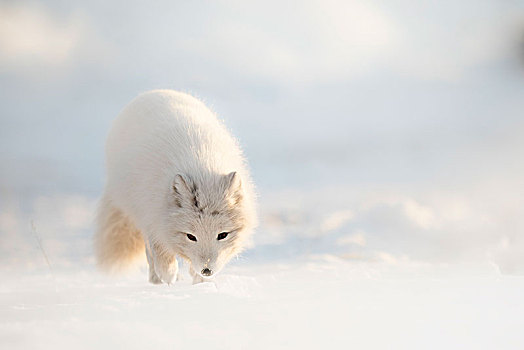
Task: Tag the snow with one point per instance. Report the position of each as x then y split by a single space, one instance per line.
333 286
322 301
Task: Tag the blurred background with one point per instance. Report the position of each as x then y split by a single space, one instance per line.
376 130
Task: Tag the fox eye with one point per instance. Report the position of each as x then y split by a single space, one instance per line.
222 235
191 237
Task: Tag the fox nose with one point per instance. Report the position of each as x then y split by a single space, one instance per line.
207 272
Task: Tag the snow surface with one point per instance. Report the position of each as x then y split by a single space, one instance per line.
316 279
319 302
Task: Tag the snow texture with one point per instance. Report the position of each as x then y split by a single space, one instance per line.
314 279
319 302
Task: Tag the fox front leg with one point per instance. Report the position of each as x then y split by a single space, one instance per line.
163 266
196 277
153 277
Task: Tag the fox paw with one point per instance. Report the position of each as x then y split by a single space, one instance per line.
166 270
154 279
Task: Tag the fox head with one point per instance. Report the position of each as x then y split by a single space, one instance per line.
208 224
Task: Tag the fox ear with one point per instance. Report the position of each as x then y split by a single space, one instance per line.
233 187
233 182
181 189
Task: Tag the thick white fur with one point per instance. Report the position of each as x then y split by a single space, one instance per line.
173 169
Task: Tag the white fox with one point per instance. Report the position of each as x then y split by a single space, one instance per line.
177 185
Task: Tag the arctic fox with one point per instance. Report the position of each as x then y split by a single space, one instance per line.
177 185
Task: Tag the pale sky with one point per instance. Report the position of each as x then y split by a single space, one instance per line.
349 91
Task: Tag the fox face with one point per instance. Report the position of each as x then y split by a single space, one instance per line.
207 222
